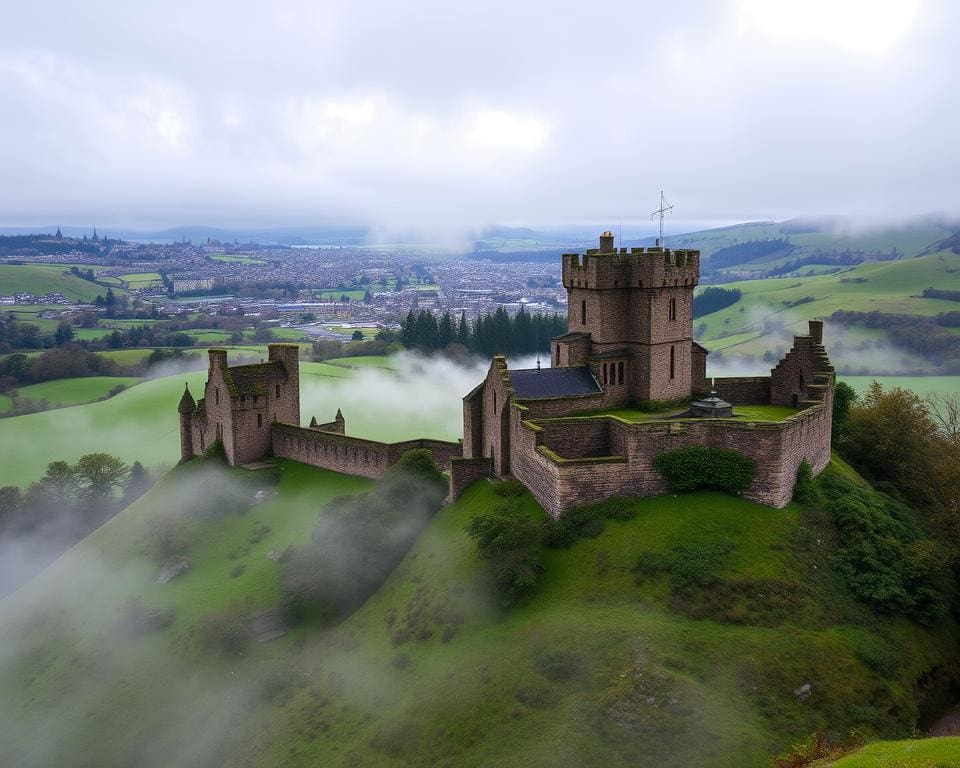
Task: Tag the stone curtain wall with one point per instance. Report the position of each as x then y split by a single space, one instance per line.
744 390
777 449
466 471
351 455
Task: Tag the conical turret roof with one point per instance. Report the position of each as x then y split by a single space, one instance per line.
187 403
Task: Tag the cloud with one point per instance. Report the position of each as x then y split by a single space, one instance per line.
428 114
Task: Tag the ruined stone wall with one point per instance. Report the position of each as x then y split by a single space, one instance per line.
776 448
743 390
495 408
218 405
466 471
351 455
473 423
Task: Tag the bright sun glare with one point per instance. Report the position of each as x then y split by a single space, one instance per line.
866 26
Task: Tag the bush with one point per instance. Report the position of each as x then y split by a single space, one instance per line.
223 632
586 522
698 467
805 488
509 489
510 542
698 564
884 559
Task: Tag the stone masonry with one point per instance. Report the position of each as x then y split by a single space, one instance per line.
254 411
629 342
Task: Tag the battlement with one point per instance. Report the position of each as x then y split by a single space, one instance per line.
653 267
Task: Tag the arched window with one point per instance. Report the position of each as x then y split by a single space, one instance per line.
494 402
216 395
259 420
278 390
672 310
673 357
620 372
583 312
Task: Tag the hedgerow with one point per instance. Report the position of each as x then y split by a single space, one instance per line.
687 469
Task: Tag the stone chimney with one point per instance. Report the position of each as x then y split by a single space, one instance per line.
218 358
606 242
816 330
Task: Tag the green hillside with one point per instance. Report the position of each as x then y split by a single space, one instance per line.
771 310
924 753
40 279
74 391
602 666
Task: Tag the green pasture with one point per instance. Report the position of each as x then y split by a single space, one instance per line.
368 333
74 391
6 403
941 752
46 278
366 361
229 259
91 334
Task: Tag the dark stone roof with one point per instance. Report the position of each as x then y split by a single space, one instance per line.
701 348
253 380
553 382
571 336
622 352
187 403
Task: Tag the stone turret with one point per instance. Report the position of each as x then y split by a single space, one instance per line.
186 409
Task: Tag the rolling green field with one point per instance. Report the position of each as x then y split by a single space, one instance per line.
5 403
142 424
43 278
599 667
228 259
891 286
366 361
916 753
74 391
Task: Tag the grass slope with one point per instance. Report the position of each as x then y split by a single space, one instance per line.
598 668
926 753
40 279
74 391
889 286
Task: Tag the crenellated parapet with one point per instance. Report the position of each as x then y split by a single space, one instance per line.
646 268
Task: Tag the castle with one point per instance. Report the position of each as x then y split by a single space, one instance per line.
589 427
629 348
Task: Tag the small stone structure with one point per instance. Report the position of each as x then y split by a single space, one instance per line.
254 411
630 343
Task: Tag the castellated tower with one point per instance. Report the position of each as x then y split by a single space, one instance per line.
630 317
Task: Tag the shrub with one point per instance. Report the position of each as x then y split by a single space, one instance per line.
698 467
509 489
586 522
697 564
805 488
884 559
879 656
510 542
223 632
215 453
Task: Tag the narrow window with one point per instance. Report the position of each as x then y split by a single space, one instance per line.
494 403
620 373
672 311
583 312
672 361
203 441
259 420
278 390
603 374
216 393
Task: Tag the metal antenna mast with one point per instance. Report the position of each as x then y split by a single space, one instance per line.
662 211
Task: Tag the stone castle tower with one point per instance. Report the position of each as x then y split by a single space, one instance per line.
630 317
240 405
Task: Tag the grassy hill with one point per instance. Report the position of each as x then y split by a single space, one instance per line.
601 666
772 310
926 753
40 279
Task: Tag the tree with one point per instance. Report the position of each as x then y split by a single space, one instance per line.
98 474
63 334
138 482
511 543
445 331
463 330
844 398
357 335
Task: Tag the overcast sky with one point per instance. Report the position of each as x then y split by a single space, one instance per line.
414 113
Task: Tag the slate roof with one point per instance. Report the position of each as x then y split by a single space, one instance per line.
187 403
253 380
611 353
571 335
701 347
553 382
